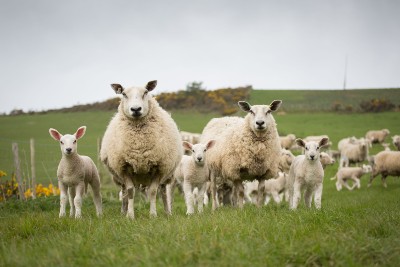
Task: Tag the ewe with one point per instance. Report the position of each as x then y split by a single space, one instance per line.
74 173
385 163
246 149
306 174
141 146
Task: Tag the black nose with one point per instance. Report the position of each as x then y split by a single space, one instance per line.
199 158
259 123
69 149
136 109
312 157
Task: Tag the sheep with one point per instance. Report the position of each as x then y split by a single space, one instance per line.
193 138
306 173
353 173
386 146
286 159
246 149
316 138
349 140
273 187
141 146
385 163
326 159
287 141
396 141
74 173
377 136
192 172
354 152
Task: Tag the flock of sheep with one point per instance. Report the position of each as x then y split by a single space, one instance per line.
235 160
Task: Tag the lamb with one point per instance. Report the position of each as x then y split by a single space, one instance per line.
326 159
385 163
396 141
377 136
192 172
287 141
316 138
141 146
354 152
246 149
74 173
273 187
353 173
306 173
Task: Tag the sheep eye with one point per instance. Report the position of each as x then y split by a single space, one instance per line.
205 150
252 112
124 95
75 142
145 93
62 142
306 148
193 150
317 147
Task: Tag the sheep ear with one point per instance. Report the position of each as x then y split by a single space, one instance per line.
244 106
324 141
117 88
80 132
187 145
151 85
55 134
210 144
275 105
300 142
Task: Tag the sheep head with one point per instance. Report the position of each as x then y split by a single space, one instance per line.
135 100
198 150
260 115
312 148
68 142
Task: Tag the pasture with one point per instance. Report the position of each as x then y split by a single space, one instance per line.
352 229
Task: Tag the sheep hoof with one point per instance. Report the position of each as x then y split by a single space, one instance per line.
130 215
62 214
77 217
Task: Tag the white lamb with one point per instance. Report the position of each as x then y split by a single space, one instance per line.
385 163
316 138
377 136
352 173
192 172
354 152
287 141
141 146
396 141
74 173
246 149
306 174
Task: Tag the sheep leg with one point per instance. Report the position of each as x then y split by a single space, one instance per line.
130 196
95 185
308 197
318 196
347 185
188 191
63 198
338 185
276 197
124 200
372 177
384 181
213 187
267 199
239 193
261 192
165 190
295 195
80 190
71 196
200 197
153 197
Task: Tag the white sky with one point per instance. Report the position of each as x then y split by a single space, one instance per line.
57 54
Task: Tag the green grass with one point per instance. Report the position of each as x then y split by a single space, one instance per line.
359 228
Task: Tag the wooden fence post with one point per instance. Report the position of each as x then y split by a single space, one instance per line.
33 169
18 171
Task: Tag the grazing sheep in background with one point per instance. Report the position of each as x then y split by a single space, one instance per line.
396 141
192 172
74 173
246 149
353 173
335 154
306 174
141 146
286 159
385 163
287 141
386 146
193 138
377 136
273 187
326 159
345 141
354 153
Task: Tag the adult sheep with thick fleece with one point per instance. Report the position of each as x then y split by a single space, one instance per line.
287 141
350 173
386 163
377 136
74 173
246 149
192 172
396 141
306 174
141 146
354 152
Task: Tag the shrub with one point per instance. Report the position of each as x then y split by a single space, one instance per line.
377 105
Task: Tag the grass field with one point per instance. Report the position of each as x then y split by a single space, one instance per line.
359 228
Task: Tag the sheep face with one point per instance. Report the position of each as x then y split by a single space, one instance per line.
366 168
261 116
287 156
312 148
135 100
68 142
199 151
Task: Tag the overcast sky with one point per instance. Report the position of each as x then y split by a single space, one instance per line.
57 54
